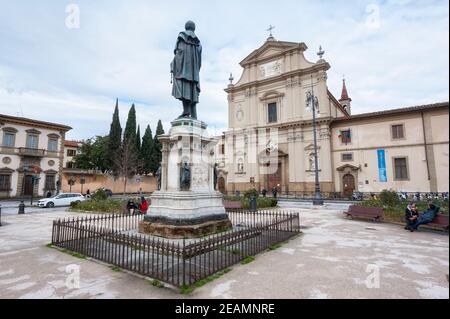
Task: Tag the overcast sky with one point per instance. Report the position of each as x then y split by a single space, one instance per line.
392 53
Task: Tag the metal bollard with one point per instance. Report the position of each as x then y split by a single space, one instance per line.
253 206
21 208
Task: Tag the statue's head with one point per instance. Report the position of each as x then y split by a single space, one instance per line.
190 26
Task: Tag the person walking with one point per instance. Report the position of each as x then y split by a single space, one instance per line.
274 192
264 192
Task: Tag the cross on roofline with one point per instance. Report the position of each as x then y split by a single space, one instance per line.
271 27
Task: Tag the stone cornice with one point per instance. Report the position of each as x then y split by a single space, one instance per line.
281 77
33 123
286 125
33 131
53 135
10 129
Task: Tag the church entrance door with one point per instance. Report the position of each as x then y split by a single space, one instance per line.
28 185
274 180
349 183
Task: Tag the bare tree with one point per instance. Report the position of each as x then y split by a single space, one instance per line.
127 161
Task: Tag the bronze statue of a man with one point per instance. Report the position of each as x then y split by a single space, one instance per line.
185 69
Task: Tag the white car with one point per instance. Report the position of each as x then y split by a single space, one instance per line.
64 199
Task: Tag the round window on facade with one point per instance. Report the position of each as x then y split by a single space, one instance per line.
6 160
51 163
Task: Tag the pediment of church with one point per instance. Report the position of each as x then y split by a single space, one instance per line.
272 49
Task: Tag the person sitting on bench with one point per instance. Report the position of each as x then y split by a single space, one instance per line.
426 217
411 215
131 207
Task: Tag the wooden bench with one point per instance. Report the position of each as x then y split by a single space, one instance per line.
440 222
376 214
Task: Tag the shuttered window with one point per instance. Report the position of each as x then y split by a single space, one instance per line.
5 182
8 139
401 169
398 132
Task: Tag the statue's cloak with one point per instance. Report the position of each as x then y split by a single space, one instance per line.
186 66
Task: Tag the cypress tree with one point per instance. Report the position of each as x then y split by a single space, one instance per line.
157 147
138 139
115 139
130 128
147 151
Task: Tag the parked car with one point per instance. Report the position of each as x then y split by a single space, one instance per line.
64 199
107 191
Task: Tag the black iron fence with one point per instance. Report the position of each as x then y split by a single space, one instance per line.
114 239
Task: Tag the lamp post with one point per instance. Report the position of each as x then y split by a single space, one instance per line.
71 182
82 182
314 101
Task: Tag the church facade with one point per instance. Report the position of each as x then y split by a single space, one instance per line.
270 142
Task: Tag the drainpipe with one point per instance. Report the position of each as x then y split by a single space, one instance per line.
426 146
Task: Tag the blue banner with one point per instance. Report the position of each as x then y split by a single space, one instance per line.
382 166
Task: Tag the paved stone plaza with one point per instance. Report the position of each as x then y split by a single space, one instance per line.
330 260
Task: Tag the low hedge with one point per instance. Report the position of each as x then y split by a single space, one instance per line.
261 202
108 206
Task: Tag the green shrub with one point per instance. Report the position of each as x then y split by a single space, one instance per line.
99 194
100 206
251 192
389 198
232 198
261 202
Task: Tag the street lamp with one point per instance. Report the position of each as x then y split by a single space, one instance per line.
82 182
314 102
71 182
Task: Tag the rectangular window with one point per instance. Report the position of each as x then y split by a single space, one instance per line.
398 132
401 169
8 139
50 183
272 112
53 145
32 141
71 153
347 157
5 182
346 137
222 149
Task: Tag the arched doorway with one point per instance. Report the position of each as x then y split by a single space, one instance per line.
348 181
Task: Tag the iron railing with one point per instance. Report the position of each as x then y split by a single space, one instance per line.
114 239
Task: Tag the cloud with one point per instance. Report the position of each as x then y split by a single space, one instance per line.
123 49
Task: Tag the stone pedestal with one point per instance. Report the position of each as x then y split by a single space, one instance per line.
198 210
